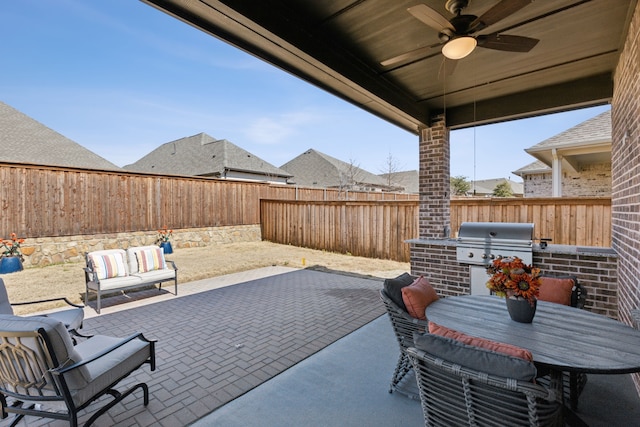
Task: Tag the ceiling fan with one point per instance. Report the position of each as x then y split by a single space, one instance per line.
457 35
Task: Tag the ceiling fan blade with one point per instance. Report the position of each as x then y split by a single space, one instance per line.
421 52
497 13
430 17
506 42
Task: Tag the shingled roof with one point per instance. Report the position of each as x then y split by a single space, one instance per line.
25 140
315 169
408 180
486 186
203 155
593 131
587 142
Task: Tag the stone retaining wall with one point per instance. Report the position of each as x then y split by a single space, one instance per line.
57 250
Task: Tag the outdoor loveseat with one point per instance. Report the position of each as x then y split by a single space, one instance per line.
116 269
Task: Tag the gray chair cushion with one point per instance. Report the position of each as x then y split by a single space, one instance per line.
393 288
5 306
475 358
109 368
61 343
71 318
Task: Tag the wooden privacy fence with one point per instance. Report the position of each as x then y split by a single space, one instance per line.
41 201
379 229
567 221
368 229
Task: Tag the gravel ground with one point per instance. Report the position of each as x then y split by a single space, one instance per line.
67 280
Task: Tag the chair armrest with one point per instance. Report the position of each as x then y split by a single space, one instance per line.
62 370
578 295
173 264
90 275
49 300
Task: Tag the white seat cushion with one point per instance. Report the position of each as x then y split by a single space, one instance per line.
115 283
150 276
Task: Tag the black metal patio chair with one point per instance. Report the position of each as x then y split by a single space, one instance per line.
43 374
72 318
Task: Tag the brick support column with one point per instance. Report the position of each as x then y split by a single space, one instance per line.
625 169
434 181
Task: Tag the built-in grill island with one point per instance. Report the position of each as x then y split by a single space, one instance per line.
479 243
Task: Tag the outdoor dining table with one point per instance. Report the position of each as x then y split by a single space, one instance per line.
560 337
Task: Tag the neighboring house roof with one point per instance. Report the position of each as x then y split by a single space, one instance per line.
25 140
315 169
203 155
531 168
486 186
408 180
586 143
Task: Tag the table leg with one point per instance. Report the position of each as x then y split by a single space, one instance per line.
570 418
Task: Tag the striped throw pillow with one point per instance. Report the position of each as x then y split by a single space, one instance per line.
108 266
150 259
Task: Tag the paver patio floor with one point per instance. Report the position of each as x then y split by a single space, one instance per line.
215 345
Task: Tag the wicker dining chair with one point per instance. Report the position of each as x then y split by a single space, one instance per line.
573 382
452 394
404 327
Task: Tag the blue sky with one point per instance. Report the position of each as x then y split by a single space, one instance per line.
121 78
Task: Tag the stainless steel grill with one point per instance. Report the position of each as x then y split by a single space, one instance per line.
479 243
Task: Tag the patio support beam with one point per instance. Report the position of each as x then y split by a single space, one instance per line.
589 91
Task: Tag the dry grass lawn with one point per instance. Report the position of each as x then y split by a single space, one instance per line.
67 280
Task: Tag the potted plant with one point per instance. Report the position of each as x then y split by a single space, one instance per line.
11 257
163 240
518 283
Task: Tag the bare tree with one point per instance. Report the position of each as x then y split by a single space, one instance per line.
348 178
390 170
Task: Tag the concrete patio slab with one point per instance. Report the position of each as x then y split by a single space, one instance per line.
343 385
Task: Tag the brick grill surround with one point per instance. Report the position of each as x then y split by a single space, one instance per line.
597 273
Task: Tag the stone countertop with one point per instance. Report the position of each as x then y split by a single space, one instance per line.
556 249
580 250
437 242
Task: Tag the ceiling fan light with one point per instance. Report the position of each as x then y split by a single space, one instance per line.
459 47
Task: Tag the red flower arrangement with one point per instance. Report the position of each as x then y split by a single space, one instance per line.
12 246
164 235
512 277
